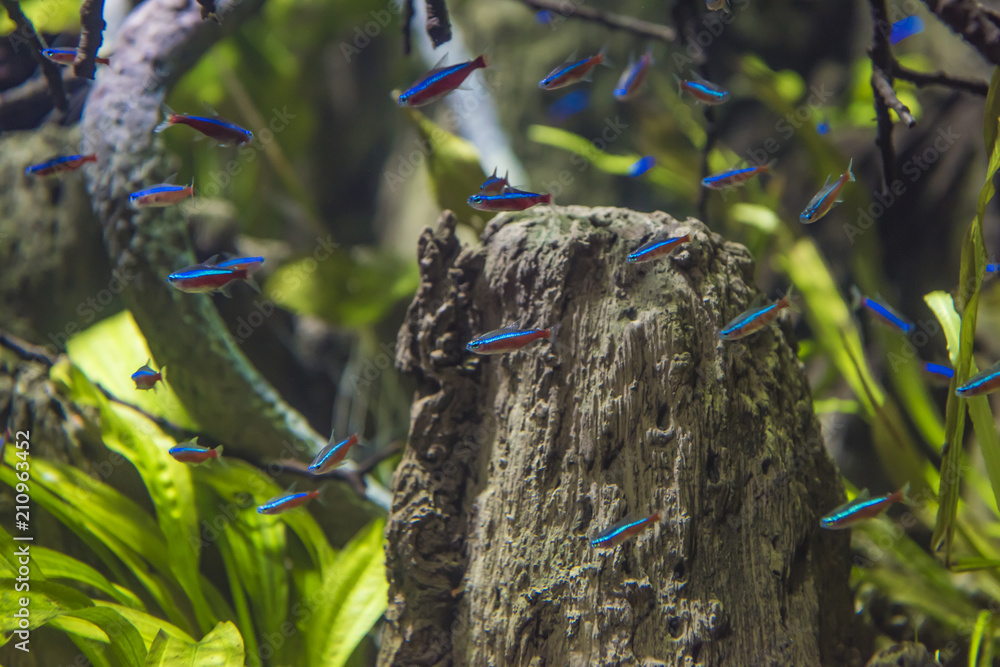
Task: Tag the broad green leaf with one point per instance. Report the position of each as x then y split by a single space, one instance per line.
353 595
678 178
125 641
452 163
836 405
348 289
110 351
943 307
56 565
755 215
45 599
222 647
147 625
991 112
108 522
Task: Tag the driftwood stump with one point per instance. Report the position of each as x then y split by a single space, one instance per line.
515 461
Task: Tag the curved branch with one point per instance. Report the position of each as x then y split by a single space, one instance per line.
25 34
976 87
976 25
223 392
91 35
438 24
635 26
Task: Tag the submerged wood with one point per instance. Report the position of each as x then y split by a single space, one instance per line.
514 462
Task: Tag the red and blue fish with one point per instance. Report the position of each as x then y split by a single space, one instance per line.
862 507
248 263
439 82
657 248
64 56
207 277
510 199
572 71
618 533
223 131
631 79
287 501
191 452
146 378
59 165
158 196
705 92
755 319
828 195
332 455
984 383
885 314
733 177
504 340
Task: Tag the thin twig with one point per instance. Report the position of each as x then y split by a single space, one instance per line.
614 21
355 477
975 24
407 21
882 83
91 35
882 91
25 34
31 352
974 86
438 23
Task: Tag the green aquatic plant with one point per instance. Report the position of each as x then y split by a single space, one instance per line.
288 597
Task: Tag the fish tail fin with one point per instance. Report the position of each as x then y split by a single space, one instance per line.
654 517
850 172
549 199
218 457
481 61
602 57
790 301
856 297
227 290
168 116
90 158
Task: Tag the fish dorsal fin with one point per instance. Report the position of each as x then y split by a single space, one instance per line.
757 301
827 181
209 109
864 494
212 261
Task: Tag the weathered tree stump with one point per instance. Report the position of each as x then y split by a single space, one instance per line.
515 461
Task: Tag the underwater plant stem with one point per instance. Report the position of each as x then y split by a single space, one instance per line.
25 34
91 35
635 26
974 86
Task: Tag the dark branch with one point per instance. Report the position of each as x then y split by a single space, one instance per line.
355 477
25 34
29 352
208 10
407 21
438 23
91 35
976 25
976 87
882 91
607 19
882 84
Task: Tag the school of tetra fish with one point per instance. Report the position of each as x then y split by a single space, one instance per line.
497 194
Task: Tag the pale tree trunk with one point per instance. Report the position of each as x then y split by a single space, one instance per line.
515 461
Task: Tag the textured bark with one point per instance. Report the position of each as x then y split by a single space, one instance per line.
159 41
515 461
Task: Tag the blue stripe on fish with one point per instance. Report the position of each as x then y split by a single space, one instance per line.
938 369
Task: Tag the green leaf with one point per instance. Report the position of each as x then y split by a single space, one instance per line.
109 352
980 655
48 17
943 307
354 595
46 600
222 647
56 565
755 215
348 289
452 163
669 173
837 333
109 523
147 625
971 272
125 641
